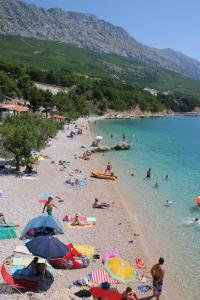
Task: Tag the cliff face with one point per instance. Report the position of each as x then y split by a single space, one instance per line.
87 31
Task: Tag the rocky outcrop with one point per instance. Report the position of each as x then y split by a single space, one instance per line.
87 31
122 146
103 148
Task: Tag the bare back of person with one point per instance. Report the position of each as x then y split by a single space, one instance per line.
157 272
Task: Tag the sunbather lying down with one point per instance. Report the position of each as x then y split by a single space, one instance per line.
96 204
77 222
3 222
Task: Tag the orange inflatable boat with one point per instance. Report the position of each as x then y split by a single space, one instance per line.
103 176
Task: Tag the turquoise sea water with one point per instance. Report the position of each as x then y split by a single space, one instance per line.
170 146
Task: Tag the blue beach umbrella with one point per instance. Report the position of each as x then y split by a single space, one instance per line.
47 247
43 221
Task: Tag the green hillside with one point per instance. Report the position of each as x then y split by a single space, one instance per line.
49 55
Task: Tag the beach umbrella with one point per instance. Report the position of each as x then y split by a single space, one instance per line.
120 270
45 196
47 247
98 137
44 222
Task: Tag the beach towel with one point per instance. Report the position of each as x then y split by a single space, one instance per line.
20 270
22 249
105 294
43 201
25 261
144 288
85 250
29 177
82 219
100 276
8 232
80 226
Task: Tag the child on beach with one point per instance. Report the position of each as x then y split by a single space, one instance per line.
49 206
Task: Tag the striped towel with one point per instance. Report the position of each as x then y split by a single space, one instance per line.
100 276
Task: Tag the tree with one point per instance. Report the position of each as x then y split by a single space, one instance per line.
22 133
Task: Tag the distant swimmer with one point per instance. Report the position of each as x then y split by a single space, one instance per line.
111 136
166 177
132 174
123 136
168 203
156 185
194 221
148 173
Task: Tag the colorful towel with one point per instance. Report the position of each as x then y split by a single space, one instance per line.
8 232
82 219
22 249
85 250
25 261
80 226
43 201
144 288
100 276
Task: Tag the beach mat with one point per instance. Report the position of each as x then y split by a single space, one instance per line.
82 219
22 249
25 261
44 201
8 232
29 177
100 276
80 226
86 250
105 294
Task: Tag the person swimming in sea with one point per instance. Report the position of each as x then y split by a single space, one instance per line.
168 203
195 220
156 185
166 177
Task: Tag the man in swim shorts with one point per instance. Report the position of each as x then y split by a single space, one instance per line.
157 273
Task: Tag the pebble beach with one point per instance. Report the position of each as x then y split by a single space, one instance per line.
113 231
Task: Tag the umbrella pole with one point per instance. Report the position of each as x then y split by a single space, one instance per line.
44 269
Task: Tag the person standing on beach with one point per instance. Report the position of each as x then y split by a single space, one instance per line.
108 168
148 173
157 273
49 206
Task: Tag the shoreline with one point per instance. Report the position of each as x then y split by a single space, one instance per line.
149 250
132 220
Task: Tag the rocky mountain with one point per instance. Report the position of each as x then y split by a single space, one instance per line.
87 31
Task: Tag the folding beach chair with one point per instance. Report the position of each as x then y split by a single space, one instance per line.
18 284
